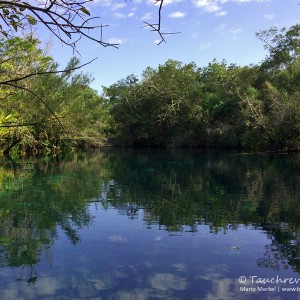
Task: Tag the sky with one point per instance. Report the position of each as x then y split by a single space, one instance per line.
209 29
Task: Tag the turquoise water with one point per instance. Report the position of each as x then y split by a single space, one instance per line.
150 224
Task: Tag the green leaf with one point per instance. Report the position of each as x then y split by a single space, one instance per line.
31 20
15 26
4 33
84 10
15 17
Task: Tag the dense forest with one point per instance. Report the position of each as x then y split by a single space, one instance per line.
174 105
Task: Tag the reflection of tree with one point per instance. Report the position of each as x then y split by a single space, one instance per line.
28 274
284 249
176 190
181 189
22 241
38 197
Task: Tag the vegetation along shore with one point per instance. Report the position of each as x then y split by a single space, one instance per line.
220 105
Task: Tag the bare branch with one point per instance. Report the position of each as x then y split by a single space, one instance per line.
44 73
156 27
68 20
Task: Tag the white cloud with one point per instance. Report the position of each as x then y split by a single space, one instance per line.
243 1
208 5
269 17
119 16
205 3
147 16
216 6
205 46
118 6
235 31
221 27
115 40
177 14
221 13
166 2
104 3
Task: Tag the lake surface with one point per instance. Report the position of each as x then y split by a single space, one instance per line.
150 224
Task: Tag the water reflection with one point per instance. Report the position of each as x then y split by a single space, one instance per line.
147 224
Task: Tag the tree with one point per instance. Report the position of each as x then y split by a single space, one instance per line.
67 20
41 111
283 46
19 57
165 108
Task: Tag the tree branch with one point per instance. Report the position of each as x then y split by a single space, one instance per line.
7 82
40 99
26 124
156 27
65 16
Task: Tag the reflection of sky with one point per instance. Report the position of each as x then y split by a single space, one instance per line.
119 258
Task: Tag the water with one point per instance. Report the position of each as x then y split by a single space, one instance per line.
150 224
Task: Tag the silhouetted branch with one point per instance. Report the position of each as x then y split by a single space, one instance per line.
44 73
67 20
156 27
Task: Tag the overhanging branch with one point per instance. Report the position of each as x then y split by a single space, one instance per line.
39 99
7 82
68 20
11 125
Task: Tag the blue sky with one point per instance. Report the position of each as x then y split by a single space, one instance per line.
221 29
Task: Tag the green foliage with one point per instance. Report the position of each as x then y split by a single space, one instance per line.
283 46
46 111
219 105
157 110
176 104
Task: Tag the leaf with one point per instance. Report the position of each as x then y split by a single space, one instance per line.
14 17
84 10
31 20
15 26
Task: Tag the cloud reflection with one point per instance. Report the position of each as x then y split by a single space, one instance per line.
166 281
117 239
